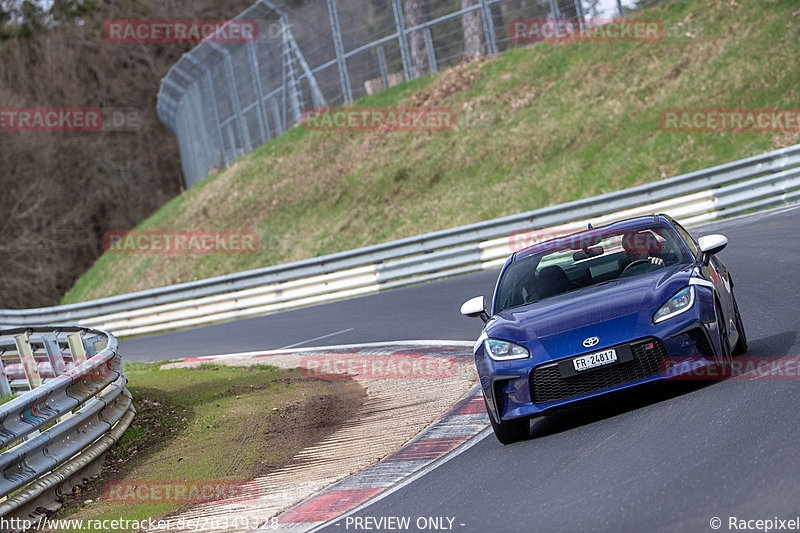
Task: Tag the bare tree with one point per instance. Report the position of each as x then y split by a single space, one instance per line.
61 191
473 31
417 12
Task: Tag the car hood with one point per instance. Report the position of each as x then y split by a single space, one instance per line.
628 303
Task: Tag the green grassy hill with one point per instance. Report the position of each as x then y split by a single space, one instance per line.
537 126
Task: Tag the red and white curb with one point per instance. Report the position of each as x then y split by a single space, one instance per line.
438 442
465 420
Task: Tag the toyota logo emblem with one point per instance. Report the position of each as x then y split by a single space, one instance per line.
591 341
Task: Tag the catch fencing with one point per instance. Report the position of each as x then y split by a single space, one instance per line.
69 405
222 100
759 182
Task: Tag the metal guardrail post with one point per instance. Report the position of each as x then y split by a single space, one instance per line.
400 23
28 361
54 354
57 431
336 32
76 348
5 385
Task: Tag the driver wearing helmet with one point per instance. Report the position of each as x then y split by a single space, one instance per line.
642 245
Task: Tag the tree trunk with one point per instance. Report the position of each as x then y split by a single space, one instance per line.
417 12
473 31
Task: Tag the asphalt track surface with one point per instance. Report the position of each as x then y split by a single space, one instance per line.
664 458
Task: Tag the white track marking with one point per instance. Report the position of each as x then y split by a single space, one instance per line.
316 339
434 343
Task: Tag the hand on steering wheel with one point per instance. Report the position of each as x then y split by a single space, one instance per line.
652 260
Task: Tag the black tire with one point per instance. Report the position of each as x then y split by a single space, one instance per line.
725 356
741 344
509 431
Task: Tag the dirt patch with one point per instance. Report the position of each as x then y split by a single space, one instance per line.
300 424
394 411
451 81
316 408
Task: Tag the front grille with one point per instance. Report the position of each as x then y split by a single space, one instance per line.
547 385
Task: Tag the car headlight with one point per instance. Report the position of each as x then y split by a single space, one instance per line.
680 302
504 350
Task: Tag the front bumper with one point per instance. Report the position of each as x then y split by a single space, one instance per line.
533 387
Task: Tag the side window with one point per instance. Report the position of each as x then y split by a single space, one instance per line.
688 238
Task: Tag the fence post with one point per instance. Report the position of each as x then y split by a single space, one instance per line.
428 37
290 78
488 29
336 31
619 8
262 116
316 93
400 23
579 11
384 70
215 111
244 134
554 11
276 113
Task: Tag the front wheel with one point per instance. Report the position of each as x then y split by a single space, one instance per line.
741 344
509 431
725 347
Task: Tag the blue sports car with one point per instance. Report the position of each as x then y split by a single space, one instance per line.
598 311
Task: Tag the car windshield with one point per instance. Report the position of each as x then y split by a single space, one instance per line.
584 261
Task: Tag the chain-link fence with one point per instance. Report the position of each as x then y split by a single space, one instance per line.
223 100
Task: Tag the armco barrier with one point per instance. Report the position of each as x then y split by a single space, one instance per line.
56 434
759 182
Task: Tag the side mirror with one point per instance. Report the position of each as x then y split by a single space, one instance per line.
711 245
475 308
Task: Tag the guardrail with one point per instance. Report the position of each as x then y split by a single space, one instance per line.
55 434
758 182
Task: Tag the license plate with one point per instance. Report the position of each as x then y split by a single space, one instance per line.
585 362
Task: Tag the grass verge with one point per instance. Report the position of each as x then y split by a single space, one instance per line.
211 424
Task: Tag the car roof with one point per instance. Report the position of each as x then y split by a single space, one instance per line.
588 234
